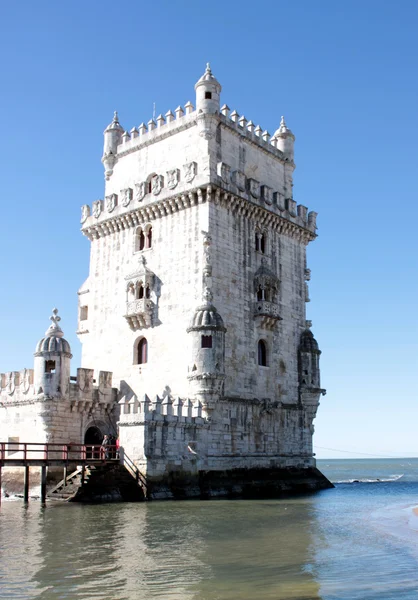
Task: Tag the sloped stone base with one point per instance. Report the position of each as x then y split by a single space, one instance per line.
238 483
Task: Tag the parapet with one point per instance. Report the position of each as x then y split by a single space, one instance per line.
161 410
162 127
253 133
17 385
87 396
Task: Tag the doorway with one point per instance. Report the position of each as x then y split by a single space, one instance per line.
93 437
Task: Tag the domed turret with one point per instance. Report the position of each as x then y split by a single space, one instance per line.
309 360
112 138
207 368
208 91
52 361
285 140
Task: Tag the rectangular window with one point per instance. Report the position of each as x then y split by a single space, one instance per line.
208 95
84 313
50 366
206 341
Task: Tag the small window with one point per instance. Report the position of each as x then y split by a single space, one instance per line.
206 341
149 238
141 240
262 353
147 292
140 292
84 313
50 366
142 352
260 294
208 95
260 242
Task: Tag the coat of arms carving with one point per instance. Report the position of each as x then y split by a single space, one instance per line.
173 177
239 180
157 184
190 171
127 194
267 194
97 208
140 191
224 172
254 187
85 213
111 202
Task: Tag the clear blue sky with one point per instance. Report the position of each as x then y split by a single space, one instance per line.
344 74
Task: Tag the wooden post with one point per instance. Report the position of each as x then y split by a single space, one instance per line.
26 485
83 474
65 475
43 485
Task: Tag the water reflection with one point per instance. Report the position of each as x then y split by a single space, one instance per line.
216 550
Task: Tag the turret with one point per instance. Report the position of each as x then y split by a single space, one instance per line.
112 138
309 361
284 140
208 90
207 366
52 361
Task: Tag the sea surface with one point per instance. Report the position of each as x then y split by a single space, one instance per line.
357 541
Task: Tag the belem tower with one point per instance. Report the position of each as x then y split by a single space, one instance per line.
195 343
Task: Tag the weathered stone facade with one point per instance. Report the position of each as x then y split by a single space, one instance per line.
195 301
199 205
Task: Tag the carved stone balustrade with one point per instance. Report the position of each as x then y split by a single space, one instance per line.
139 313
267 312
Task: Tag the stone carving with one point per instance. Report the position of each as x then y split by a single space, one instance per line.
207 295
140 191
25 380
224 172
190 171
307 274
207 260
111 202
239 180
254 187
157 184
173 177
267 194
127 194
85 379
97 208
10 383
85 213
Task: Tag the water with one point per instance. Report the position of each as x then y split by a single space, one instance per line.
357 541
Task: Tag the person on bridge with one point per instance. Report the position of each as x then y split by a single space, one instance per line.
105 446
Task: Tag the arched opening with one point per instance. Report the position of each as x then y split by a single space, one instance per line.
93 437
142 352
149 238
140 292
262 353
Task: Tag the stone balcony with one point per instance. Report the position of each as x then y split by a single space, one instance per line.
267 312
139 313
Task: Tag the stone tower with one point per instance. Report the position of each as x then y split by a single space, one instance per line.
196 301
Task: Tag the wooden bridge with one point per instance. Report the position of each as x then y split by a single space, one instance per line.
30 454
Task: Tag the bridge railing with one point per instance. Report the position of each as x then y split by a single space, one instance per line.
32 451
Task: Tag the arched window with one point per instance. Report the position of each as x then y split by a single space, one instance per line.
262 353
143 238
142 352
140 292
149 238
147 292
260 293
260 242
